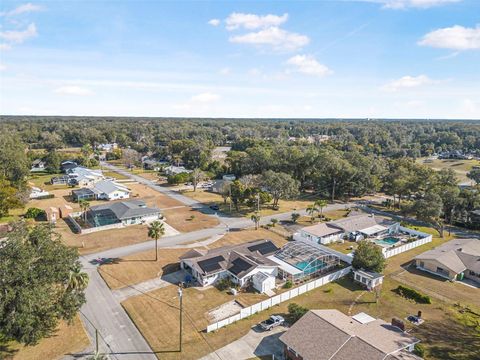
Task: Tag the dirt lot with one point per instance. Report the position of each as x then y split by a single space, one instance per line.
181 219
152 197
207 197
136 268
68 339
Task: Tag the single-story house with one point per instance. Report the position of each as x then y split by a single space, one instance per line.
110 190
102 190
369 279
84 177
330 334
240 263
356 227
453 260
68 165
107 147
37 193
175 170
126 212
37 165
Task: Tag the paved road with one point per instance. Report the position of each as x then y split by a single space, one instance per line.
119 336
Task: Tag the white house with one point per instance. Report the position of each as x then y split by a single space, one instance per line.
356 227
239 263
37 165
37 192
174 170
107 147
84 177
109 190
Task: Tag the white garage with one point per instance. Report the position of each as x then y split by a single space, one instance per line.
263 282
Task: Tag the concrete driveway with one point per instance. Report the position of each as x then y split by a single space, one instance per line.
255 343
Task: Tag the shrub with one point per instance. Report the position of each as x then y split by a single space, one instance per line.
274 222
178 178
413 294
224 284
34 213
419 350
295 312
288 284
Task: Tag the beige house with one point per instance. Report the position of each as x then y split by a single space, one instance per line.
332 335
454 260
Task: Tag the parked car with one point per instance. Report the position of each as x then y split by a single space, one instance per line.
273 321
215 207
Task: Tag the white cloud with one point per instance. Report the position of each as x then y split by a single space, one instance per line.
4 46
206 97
3 67
253 21
73 90
407 82
469 107
225 71
21 9
214 22
307 64
275 37
19 36
456 38
423 4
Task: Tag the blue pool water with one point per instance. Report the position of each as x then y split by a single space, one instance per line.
316 265
388 241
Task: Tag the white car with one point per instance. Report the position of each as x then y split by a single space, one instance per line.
273 321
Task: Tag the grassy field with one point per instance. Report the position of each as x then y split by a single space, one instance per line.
67 339
186 219
139 267
448 331
115 175
210 198
461 167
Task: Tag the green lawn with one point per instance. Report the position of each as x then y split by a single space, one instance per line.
461 167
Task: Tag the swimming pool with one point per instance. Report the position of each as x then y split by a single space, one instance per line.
314 266
388 241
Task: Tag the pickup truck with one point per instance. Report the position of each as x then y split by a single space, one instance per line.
272 322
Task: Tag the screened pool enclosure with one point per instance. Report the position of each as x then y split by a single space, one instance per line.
308 260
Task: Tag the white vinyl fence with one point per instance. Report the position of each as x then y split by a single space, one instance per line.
408 246
246 312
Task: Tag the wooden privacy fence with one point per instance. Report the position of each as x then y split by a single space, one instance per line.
275 300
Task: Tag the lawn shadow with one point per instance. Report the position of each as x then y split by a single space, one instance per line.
349 284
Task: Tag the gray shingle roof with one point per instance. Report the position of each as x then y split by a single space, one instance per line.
330 334
456 255
108 187
125 209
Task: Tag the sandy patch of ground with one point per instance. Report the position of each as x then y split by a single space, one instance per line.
224 311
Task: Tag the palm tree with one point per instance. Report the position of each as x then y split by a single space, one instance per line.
321 204
311 210
155 231
84 206
295 217
256 219
77 279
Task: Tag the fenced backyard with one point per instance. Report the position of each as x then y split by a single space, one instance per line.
389 252
275 300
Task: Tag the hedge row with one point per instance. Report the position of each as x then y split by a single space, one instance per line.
49 196
413 294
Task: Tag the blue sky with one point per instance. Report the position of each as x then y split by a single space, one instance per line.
364 58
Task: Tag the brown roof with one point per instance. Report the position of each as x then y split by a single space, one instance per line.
330 334
322 229
456 255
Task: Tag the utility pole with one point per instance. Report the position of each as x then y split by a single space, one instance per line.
180 295
230 196
258 202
